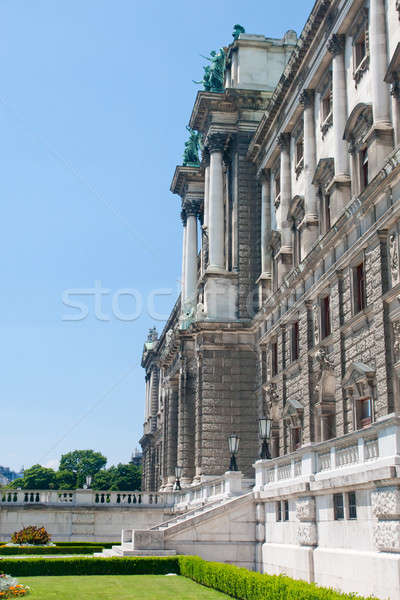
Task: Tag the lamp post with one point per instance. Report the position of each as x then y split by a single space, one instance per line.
233 443
264 429
178 475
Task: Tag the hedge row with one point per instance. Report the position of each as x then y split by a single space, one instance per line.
234 581
24 550
30 567
248 585
102 544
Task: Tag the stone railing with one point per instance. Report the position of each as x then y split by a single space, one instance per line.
84 498
229 484
356 451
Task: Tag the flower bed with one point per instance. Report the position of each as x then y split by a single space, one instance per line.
10 588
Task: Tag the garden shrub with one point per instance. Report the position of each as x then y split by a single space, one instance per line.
31 535
17 550
30 567
248 585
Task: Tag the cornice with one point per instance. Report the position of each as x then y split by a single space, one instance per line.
290 73
183 175
231 101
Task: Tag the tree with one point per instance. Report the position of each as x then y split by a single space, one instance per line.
66 480
123 477
102 480
36 478
82 463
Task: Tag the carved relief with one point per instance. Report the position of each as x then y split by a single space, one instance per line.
396 340
386 503
387 536
316 324
324 360
305 509
394 259
307 534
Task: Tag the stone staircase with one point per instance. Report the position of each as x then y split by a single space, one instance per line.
152 542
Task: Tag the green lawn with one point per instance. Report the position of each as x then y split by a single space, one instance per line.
118 587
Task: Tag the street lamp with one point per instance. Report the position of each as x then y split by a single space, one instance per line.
178 475
233 443
88 481
264 429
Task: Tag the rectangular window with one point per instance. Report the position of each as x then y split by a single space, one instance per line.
286 510
325 317
295 341
365 412
338 507
364 168
296 438
278 511
327 105
352 501
360 49
359 288
327 212
274 358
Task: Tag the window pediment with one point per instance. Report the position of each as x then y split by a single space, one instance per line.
357 374
359 123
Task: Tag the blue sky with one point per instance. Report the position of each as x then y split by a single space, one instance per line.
94 99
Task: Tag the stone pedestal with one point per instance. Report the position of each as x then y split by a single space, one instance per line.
220 296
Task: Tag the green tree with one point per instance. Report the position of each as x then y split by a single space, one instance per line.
66 480
36 478
102 480
82 463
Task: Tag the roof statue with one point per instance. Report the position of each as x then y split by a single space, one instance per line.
192 147
237 30
153 335
214 74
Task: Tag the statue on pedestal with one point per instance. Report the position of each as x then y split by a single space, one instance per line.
192 147
214 74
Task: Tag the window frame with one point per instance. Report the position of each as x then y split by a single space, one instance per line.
274 358
352 505
295 341
338 508
325 316
359 295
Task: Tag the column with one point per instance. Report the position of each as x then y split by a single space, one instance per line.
285 252
216 204
191 210
378 62
183 290
265 279
340 187
310 223
380 143
147 412
172 429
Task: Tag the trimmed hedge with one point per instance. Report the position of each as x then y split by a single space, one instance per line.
16 551
102 544
248 585
31 567
234 581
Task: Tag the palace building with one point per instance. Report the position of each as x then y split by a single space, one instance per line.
290 299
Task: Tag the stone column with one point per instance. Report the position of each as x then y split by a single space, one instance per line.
380 142
339 188
216 204
310 223
286 249
204 237
183 291
378 62
172 433
191 210
265 279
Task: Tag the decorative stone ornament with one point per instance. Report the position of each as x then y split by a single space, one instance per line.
307 534
386 503
305 509
316 324
394 259
396 340
336 44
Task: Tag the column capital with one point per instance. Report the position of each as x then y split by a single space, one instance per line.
284 141
307 98
336 44
216 142
264 175
183 217
205 158
191 207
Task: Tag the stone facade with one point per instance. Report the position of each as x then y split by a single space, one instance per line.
294 312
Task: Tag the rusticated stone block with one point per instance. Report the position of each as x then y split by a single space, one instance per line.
387 536
386 502
307 534
305 509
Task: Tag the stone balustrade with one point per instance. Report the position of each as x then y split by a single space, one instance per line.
84 498
229 484
376 444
